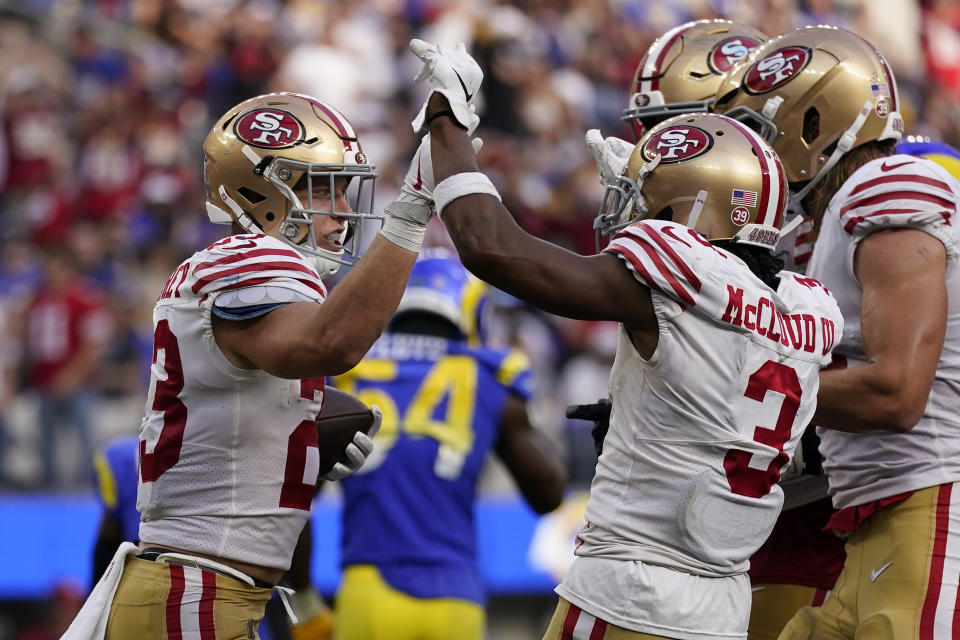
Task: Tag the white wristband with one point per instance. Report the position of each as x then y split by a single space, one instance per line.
404 233
459 185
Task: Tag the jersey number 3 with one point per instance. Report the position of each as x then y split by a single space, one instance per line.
756 483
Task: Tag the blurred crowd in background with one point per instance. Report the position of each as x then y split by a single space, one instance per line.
104 105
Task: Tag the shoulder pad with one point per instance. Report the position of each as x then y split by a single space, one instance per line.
253 261
665 256
897 191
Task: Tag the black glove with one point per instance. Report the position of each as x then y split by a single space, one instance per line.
599 413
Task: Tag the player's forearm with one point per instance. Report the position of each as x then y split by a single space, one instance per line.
494 248
541 479
870 397
359 308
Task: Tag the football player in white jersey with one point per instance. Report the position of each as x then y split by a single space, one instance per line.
798 564
716 371
244 334
886 246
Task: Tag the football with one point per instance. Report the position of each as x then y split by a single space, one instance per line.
341 417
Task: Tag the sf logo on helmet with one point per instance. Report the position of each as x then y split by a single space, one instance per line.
678 143
776 69
269 128
729 52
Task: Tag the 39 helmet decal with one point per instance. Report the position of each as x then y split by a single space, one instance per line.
775 69
740 216
678 143
269 129
729 52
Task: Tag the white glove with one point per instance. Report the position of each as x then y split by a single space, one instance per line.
418 184
453 73
359 450
610 153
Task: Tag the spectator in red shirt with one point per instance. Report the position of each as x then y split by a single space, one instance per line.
67 327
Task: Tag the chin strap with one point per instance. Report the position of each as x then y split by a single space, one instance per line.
846 142
697 208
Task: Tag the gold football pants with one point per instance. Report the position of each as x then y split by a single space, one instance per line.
900 579
160 601
569 622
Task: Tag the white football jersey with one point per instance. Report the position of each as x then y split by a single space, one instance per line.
893 192
700 432
228 456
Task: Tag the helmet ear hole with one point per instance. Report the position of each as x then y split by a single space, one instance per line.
270 217
811 125
250 195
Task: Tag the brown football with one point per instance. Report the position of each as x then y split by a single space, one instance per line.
341 417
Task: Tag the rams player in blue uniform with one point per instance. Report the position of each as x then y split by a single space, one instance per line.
409 547
115 467
940 152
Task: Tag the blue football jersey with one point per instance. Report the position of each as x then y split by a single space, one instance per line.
116 470
410 510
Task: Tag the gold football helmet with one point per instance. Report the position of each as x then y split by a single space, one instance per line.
264 149
708 172
682 69
814 93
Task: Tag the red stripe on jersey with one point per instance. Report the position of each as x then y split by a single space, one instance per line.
818 597
599 629
897 195
901 178
250 268
256 253
855 220
637 266
664 270
805 237
246 238
803 258
655 80
570 622
674 257
174 599
763 202
208 630
956 614
929 612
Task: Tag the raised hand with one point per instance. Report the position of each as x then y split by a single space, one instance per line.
611 155
453 73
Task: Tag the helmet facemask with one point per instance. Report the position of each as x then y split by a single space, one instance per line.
297 227
623 203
